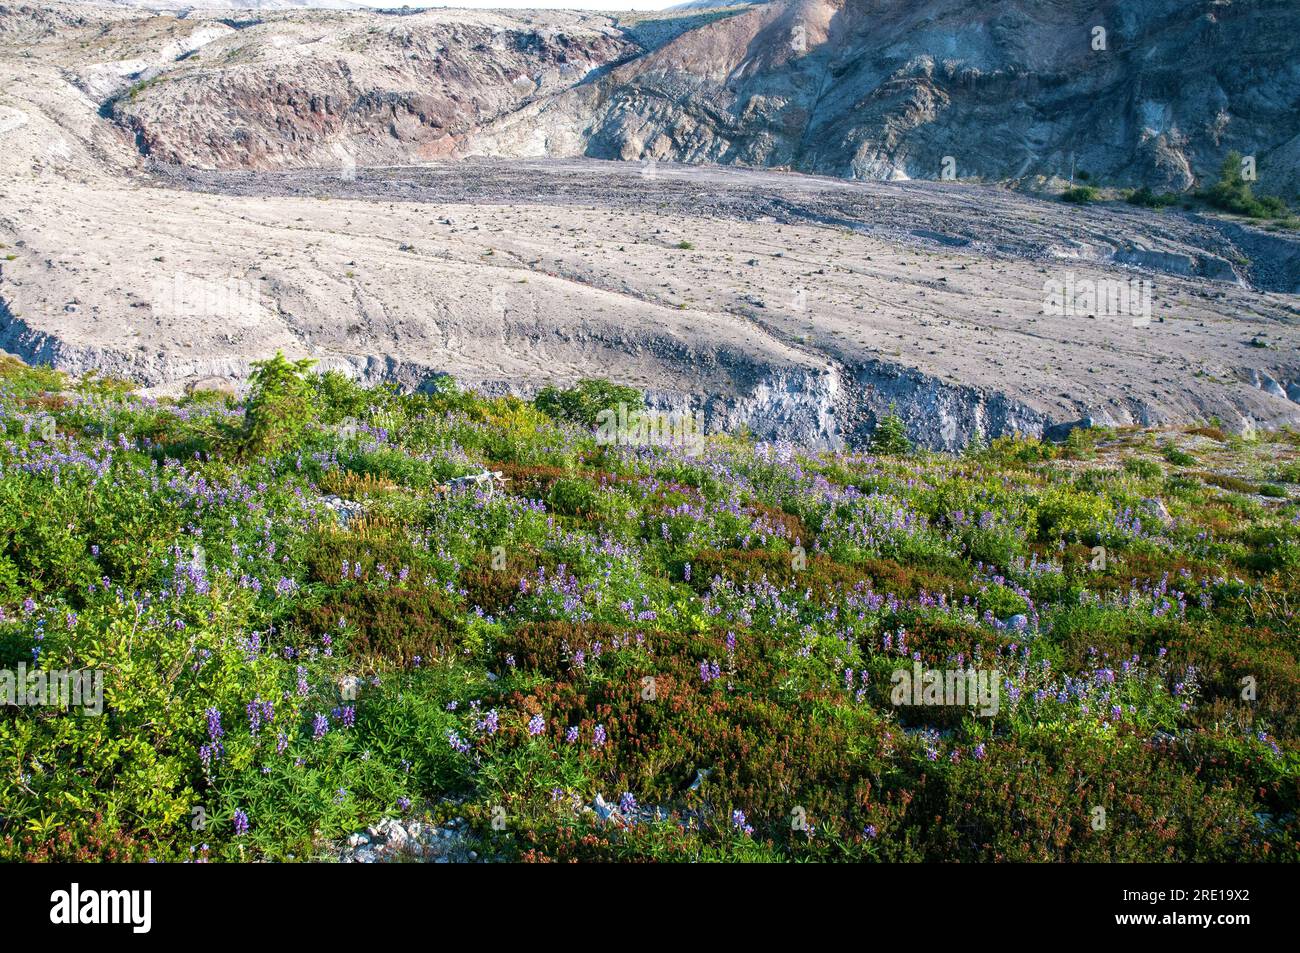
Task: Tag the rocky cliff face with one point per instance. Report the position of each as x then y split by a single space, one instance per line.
339 89
1153 92
1136 93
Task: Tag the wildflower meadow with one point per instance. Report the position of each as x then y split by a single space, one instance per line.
303 625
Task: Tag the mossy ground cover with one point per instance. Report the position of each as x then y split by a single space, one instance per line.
707 639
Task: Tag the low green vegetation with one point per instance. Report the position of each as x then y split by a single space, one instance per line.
1081 194
303 626
1233 193
1147 198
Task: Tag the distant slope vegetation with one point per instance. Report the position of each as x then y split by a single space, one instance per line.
1009 89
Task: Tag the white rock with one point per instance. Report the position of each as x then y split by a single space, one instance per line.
604 810
1158 509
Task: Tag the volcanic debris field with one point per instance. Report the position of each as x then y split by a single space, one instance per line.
317 642
403 196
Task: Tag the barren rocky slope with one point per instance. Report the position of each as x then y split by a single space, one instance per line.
1014 89
271 89
799 306
1007 89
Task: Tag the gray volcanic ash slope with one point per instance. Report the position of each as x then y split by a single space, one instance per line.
179 196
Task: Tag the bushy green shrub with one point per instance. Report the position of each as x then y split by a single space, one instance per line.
582 403
890 435
279 405
1143 469
1233 193
1146 198
1081 194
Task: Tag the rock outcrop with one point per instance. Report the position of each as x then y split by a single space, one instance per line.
1127 92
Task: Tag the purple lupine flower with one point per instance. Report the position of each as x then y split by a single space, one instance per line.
241 823
319 727
870 832
536 725
210 753
349 716
571 734
598 737
627 803
215 730
254 709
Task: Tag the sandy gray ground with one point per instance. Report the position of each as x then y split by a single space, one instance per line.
799 306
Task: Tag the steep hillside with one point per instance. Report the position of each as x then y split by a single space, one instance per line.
326 89
1009 89
1153 93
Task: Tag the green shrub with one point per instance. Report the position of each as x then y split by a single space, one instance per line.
1143 469
582 403
1146 198
1081 195
338 397
890 435
279 403
1233 193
